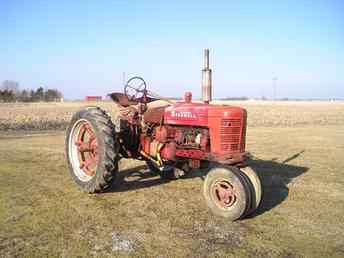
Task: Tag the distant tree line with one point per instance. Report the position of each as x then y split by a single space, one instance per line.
10 92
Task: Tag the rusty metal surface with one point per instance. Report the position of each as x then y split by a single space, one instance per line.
124 101
121 99
188 97
154 115
87 149
161 133
169 151
223 193
206 79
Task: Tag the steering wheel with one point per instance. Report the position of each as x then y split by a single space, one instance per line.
135 88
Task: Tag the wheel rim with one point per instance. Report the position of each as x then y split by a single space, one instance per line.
223 194
83 150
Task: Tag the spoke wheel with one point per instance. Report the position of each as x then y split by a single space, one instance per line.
92 150
84 153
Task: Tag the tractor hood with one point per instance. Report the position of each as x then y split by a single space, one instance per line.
200 114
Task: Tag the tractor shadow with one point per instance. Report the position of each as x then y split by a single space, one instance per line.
136 178
275 177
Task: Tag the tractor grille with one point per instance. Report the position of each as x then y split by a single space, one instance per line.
230 131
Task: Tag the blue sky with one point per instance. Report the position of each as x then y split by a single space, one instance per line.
83 47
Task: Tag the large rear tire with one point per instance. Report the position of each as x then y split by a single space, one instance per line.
226 193
92 150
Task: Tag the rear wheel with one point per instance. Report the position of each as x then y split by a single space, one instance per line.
92 150
226 193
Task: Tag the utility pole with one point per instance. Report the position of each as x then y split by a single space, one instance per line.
274 82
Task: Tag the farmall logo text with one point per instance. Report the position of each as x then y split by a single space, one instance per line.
183 114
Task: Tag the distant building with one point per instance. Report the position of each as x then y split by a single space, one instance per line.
93 98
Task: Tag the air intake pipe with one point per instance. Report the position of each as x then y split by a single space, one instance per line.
206 78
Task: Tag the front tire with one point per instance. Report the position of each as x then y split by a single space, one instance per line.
257 186
226 193
92 150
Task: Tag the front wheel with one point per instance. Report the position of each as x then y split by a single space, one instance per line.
92 150
226 192
257 187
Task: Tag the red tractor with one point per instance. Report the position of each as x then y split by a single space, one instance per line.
172 139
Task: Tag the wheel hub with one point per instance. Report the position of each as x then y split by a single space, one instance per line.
224 193
87 147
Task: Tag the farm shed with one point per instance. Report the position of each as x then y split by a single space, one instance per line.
93 98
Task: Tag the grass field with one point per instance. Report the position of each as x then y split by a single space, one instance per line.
298 151
53 116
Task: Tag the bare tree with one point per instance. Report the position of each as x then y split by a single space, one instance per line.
10 85
10 92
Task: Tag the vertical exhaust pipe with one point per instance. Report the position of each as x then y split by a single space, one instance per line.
206 78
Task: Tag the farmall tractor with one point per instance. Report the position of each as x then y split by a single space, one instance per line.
172 139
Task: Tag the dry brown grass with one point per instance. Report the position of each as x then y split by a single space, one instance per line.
42 213
40 116
56 116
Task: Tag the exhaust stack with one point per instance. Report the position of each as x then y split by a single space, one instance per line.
206 79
